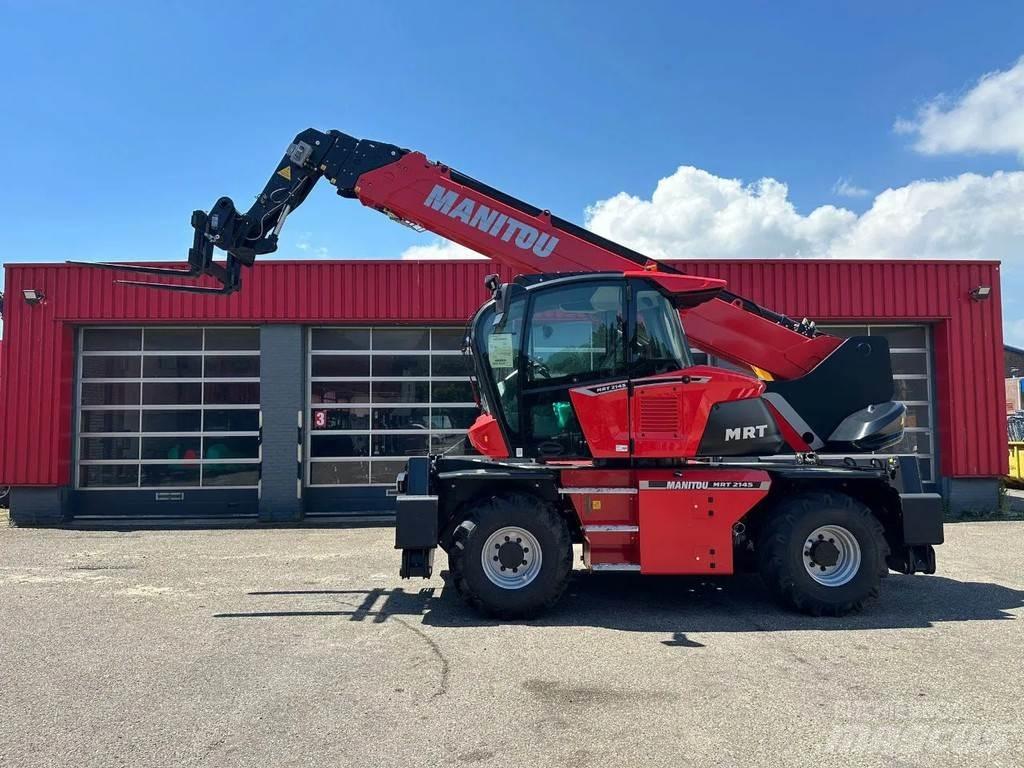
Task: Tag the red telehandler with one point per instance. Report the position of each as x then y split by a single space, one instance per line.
598 429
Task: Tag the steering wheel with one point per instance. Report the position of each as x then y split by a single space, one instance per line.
540 368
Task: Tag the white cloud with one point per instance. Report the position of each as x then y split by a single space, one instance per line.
308 249
440 250
988 118
694 214
966 217
844 187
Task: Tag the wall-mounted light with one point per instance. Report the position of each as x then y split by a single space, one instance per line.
32 296
981 293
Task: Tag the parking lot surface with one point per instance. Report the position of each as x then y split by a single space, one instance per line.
304 648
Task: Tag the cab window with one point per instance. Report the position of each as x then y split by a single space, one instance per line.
576 333
659 345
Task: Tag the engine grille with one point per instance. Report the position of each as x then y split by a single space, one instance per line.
659 414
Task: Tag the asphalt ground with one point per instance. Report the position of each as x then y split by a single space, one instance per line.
304 648
1015 501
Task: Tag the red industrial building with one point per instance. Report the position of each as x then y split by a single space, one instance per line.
300 396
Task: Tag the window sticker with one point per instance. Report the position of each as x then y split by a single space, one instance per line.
499 350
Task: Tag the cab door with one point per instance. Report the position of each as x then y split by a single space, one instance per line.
659 358
574 393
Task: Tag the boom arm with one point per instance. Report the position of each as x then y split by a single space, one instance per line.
410 189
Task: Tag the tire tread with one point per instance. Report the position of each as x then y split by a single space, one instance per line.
778 534
546 516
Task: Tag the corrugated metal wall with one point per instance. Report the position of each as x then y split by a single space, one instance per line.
37 355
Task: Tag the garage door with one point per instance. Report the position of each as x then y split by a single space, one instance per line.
377 396
910 349
168 408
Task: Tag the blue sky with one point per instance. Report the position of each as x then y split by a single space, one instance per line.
120 118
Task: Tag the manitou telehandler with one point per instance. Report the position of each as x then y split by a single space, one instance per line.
598 429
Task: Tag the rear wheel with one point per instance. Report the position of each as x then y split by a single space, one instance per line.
822 553
511 556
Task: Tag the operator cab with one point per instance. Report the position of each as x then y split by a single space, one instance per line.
540 339
597 366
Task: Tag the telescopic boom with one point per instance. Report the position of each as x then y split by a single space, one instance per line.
412 190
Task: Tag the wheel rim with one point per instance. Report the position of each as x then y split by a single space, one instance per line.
511 557
831 555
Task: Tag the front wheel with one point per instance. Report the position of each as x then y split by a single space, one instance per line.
822 553
511 556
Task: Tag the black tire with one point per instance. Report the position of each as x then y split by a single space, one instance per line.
783 542
484 518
